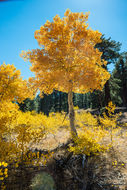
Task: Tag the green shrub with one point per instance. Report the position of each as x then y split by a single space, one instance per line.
43 181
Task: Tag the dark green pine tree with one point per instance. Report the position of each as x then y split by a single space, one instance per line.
46 104
115 90
55 102
37 103
64 102
110 49
79 100
27 105
119 81
97 99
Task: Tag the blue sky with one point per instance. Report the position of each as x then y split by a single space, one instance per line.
20 18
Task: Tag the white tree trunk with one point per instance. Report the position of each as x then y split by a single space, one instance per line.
71 113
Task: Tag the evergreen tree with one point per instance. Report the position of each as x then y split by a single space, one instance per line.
115 89
37 103
97 99
55 102
119 81
27 105
110 49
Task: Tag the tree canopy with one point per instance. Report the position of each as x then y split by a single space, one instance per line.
67 58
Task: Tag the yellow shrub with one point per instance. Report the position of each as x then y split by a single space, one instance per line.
89 141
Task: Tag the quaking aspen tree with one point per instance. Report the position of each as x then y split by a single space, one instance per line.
67 59
12 86
12 89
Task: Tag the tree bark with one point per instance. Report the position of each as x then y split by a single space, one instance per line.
107 93
71 113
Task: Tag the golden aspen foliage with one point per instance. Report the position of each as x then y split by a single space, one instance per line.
12 86
3 170
24 130
89 141
12 89
85 119
110 120
3 174
19 131
67 58
90 135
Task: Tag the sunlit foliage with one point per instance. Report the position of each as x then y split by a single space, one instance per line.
3 174
110 120
12 86
68 57
85 119
12 89
91 135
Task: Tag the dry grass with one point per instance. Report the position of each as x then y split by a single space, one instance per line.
107 168
52 141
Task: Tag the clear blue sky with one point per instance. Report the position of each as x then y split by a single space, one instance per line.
20 18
